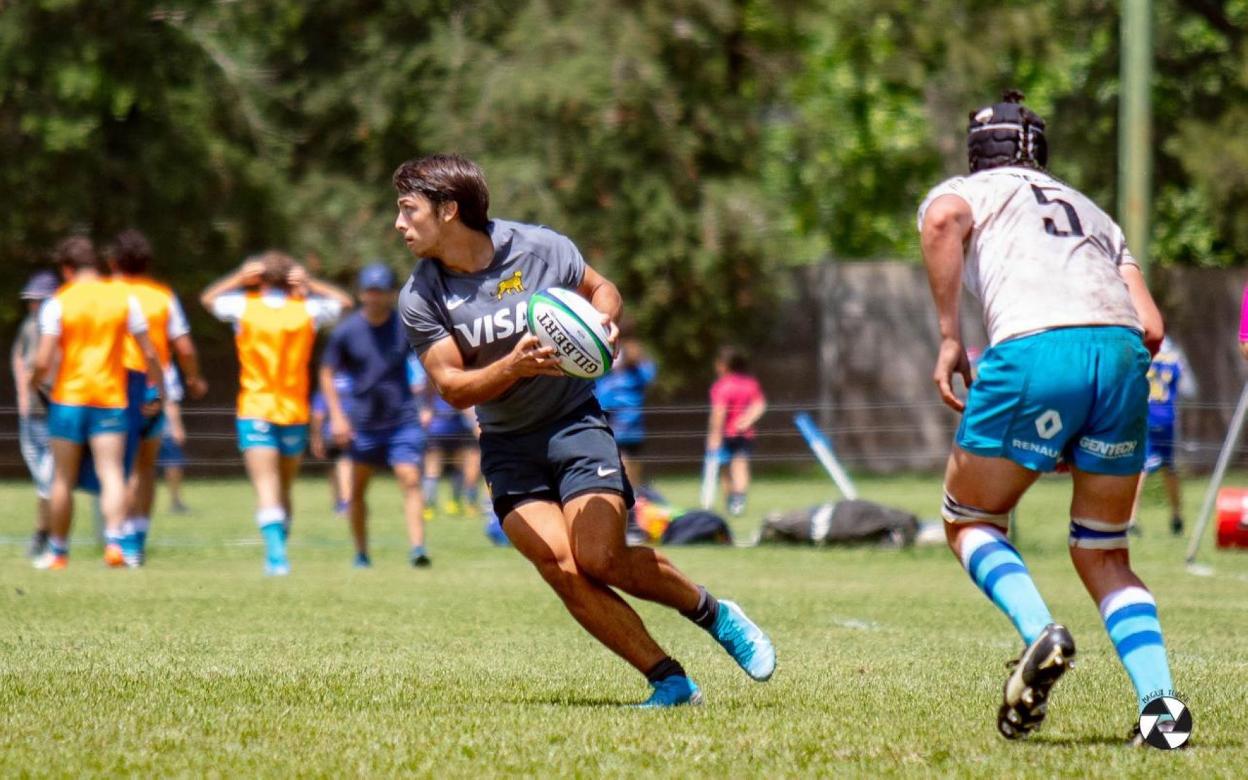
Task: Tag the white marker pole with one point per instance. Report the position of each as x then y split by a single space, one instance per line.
710 475
1219 473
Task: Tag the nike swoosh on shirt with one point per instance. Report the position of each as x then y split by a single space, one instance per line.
454 303
606 472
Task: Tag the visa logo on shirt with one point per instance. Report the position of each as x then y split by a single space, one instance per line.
501 324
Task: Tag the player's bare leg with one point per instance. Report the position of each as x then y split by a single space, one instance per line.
66 460
979 494
109 452
264 469
340 480
596 523
539 531
1174 493
141 493
409 478
739 480
1102 506
361 475
434 456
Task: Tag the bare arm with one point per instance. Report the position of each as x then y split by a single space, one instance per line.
188 359
946 227
173 416
43 359
155 374
605 297
1145 306
21 378
752 413
302 283
339 425
715 428
246 275
464 387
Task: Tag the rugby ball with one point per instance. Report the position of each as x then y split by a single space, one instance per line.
567 322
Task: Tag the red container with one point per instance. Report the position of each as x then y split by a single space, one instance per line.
1232 514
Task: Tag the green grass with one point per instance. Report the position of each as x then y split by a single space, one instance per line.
890 662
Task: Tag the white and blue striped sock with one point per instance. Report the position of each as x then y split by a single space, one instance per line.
1130 616
997 568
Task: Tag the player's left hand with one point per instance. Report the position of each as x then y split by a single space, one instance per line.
196 388
297 279
613 334
951 360
153 407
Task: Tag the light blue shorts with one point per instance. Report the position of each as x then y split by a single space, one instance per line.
80 423
1078 394
289 440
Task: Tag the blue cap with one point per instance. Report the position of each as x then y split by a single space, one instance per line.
42 285
376 276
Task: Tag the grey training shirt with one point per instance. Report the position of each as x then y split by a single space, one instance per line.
486 312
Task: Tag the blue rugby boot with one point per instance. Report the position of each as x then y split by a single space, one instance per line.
672 691
744 641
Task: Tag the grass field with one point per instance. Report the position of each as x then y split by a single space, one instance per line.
890 662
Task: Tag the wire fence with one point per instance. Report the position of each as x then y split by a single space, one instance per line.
884 436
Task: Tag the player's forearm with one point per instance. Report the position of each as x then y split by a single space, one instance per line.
605 297
1145 307
228 283
753 413
332 402
464 388
188 358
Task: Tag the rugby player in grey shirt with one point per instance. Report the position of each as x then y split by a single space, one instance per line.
548 455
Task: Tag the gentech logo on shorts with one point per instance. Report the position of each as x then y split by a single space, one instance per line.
1109 450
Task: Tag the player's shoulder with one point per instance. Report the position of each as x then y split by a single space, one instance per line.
524 236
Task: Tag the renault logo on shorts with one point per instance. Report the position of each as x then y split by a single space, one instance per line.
1049 424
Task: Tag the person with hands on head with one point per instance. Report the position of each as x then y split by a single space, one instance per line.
1071 327
547 453
276 309
87 322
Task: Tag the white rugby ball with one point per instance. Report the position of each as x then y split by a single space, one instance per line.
567 322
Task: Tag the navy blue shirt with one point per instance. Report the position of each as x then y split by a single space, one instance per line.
375 357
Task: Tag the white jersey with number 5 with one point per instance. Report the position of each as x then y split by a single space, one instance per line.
1041 255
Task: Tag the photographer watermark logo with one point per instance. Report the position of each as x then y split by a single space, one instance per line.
1166 722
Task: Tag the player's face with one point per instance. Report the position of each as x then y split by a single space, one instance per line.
419 224
377 300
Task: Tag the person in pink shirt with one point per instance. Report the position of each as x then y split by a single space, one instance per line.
1243 325
737 402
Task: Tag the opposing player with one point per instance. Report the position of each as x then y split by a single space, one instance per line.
88 321
276 309
32 412
1169 378
380 424
130 257
1070 324
549 458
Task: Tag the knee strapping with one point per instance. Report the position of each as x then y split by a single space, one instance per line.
954 512
1090 534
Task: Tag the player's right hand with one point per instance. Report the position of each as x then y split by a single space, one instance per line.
530 358
251 272
340 429
318 447
196 388
951 360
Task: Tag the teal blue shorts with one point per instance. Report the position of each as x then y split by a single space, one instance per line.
289 440
80 423
1077 394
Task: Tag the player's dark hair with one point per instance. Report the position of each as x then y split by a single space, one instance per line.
277 268
131 252
734 360
77 252
445 178
1006 134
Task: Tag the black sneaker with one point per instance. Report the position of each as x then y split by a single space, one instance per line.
421 561
1026 695
1176 525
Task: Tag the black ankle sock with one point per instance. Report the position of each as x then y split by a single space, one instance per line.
668 667
705 613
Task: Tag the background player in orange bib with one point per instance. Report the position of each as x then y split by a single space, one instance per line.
89 319
129 256
275 326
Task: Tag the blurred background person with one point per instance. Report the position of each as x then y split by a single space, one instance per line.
622 395
452 440
171 458
737 403
380 426
1169 379
32 411
130 258
324 447
276 310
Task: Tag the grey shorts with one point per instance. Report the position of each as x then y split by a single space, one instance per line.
574 455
